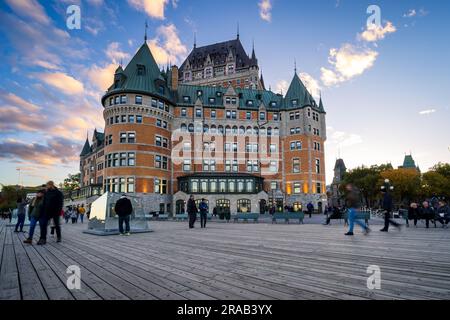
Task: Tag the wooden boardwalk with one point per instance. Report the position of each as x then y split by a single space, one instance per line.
229 261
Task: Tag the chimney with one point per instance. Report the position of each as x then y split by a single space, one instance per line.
174 79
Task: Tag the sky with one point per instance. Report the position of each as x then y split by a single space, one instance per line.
385 86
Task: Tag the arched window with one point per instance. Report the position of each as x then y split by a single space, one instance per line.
242 130
244 205
191 127
235 130
213 128
262 131
269 131
183 127
205 128
227 130
249 130
220 129
255 131
276 131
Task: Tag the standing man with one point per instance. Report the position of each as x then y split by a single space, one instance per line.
353 203
52 206
124 209
192 211
21 208
387 207
203 213
310 208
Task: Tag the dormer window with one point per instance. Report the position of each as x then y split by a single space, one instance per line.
187 76
233 100
140 70
262 115
199 93
273 104
218 94
212 100
161 90
250 103
295 103
227 100
186 99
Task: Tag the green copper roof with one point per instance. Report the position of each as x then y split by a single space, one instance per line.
86 148
409 162
321 105
141 74
297 91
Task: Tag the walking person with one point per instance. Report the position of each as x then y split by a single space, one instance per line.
35 212
74 216
52 206
21 208
67 214
203 213
353 204
387 206
310 208
192 211
124 209
82 212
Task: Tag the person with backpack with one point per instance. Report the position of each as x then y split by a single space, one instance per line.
52 206
124 209
203 213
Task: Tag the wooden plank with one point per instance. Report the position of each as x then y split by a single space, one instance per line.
9 275
30 283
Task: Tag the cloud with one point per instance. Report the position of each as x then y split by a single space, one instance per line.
282 86
54 151
101 77
113 52
153 8
426 112
11 98
167 46
411 13
30 9
265 10
415 13
96 3
374 33
311 84
346 63
343 139
62 81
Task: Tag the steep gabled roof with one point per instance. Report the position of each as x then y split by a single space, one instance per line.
86 148
142 74
218 54
297 91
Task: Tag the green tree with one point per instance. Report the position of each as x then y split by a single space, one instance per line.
71 183
9 196
406 182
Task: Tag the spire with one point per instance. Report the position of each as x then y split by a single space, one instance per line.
146 26
261 79
87 147
195 40
321 103
237 35
253 60
295 66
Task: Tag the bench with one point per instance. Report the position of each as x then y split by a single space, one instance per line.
162 216
286 216
359 216
180 217
208 216
246 216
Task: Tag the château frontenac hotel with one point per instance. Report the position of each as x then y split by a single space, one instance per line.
209 128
